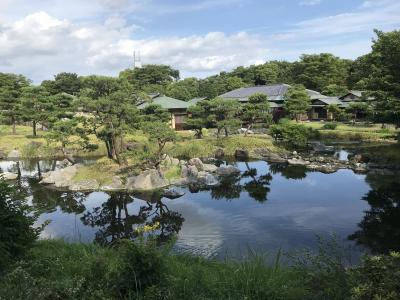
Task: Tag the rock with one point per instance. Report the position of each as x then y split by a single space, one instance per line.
173 193
180 181
298 162
184 171
219 153
244 130
84 185
14 154
8 176
175 161
182 163
210 168
327 169
147 180
227 170
207 179
294 153
269 156
64 163
241 154
323 149
192 171
115 185
360 158
60 178
196 162
166 161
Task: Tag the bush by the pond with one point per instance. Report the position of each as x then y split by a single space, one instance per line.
16 226
330 126
292 135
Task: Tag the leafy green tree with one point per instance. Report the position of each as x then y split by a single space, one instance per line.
11 86
334 90
316 71
69 133
36 106
292 135
198 117
385 108
154 113
185 89
154 76
224 115
297 101
356 109
160 133
17 225
95 87
111 117
63 83
257 109
334 110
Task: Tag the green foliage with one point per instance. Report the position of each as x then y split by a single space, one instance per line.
334 90
199 117
292 135
297 101
185 89
63 83
378 277
320 71
330 126
154 113
256 110
17 233
224 115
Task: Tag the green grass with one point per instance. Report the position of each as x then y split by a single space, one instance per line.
207 146
345 132
102 170
173 172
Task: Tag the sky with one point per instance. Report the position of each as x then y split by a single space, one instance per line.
40 38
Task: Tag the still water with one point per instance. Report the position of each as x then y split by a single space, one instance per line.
266 207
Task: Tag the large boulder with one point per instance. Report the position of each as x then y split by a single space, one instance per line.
269 156
298 162
173 193
192 171
207 179
241 154
8 176
115 185
14 154
184 171
60 178
197 163
210 168
227 170
84 185
147 180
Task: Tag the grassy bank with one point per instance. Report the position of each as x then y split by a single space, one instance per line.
344 132
57 270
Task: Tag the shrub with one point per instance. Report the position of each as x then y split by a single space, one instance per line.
17 233
293 135
330 126
378 277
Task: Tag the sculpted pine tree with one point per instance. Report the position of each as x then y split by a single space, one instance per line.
297 101
256 110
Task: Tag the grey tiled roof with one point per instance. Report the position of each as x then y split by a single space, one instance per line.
273 92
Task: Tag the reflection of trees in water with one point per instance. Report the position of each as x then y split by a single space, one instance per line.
47 200
230 187
257 187
380 227
289 172
115 221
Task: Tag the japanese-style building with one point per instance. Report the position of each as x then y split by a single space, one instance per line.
177 109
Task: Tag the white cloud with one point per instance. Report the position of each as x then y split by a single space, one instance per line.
310 2
40 45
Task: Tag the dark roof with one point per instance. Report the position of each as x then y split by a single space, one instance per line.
273 92
166 103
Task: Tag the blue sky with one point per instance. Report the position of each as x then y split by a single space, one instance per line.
40 38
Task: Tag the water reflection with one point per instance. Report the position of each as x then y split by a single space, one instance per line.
380 226
116 219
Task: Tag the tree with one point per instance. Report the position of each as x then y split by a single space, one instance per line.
11 86
356 109
153 76
198 117
334 110
184 89
63 83
334 90
160 133
16 223
257 109
111 117
95 87
224 115
317 71
36 106
154 113
297 101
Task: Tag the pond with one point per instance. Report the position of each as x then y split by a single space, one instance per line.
266 208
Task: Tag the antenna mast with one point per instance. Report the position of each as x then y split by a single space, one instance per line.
137 62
